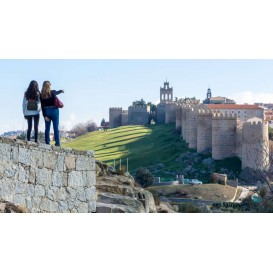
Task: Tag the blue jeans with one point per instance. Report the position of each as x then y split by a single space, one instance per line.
53 114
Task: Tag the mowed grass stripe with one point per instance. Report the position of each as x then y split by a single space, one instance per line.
142 145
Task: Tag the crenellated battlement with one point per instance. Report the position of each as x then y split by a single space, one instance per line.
224 116
115 109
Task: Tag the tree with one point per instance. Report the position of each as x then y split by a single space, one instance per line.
152 106
90 126
139 103
79 129
144 177
102 122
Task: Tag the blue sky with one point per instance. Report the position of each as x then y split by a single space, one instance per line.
92 86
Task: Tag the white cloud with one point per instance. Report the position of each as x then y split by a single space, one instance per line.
250 97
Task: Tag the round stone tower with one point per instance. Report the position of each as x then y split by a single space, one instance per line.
255 144
223 135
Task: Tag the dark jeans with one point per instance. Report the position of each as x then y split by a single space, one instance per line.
36 124
53 114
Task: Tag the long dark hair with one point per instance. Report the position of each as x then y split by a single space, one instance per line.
32 91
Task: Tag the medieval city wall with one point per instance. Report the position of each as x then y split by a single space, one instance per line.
115 117
255 145
170 114
223 136
192 128
138 115
46 178
178 121
204 131
160 113
124 118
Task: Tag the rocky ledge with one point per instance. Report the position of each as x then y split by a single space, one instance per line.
118 192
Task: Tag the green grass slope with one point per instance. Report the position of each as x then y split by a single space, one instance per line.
142 145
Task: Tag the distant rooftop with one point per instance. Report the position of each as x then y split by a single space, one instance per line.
234 106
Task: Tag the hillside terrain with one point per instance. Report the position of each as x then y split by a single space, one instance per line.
156 147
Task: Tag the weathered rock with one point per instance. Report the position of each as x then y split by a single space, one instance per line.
109 198
7 207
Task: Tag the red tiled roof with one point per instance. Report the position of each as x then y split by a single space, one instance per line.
233 106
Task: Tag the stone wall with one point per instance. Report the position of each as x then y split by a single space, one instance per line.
115 117
170 114
45 178
160 113
223 136
178 121
204 131
138 115
255 145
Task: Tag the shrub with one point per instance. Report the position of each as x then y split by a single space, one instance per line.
122 170
144 177
263 192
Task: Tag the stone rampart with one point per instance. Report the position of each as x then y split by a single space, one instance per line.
138 115
192 128
204 130
255 145
115 117
223 135
170 116
178 122
124 117
46 178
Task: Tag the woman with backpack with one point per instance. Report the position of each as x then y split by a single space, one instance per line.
31 108
50 112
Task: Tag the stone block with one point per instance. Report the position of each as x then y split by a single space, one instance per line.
63 206
5 152
39 191
70 162
81 194
70 204
19 199
65 180
48 205
84 163
22 174
2 170
71 193
32 175
50 160
10 171
57 179
20 188
30 190
44 177
60 194
89 178
75 180
36 202
36 158
90 194
92 206
24 156
7 189
14 154
50 194
60 163
82 207
28 201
